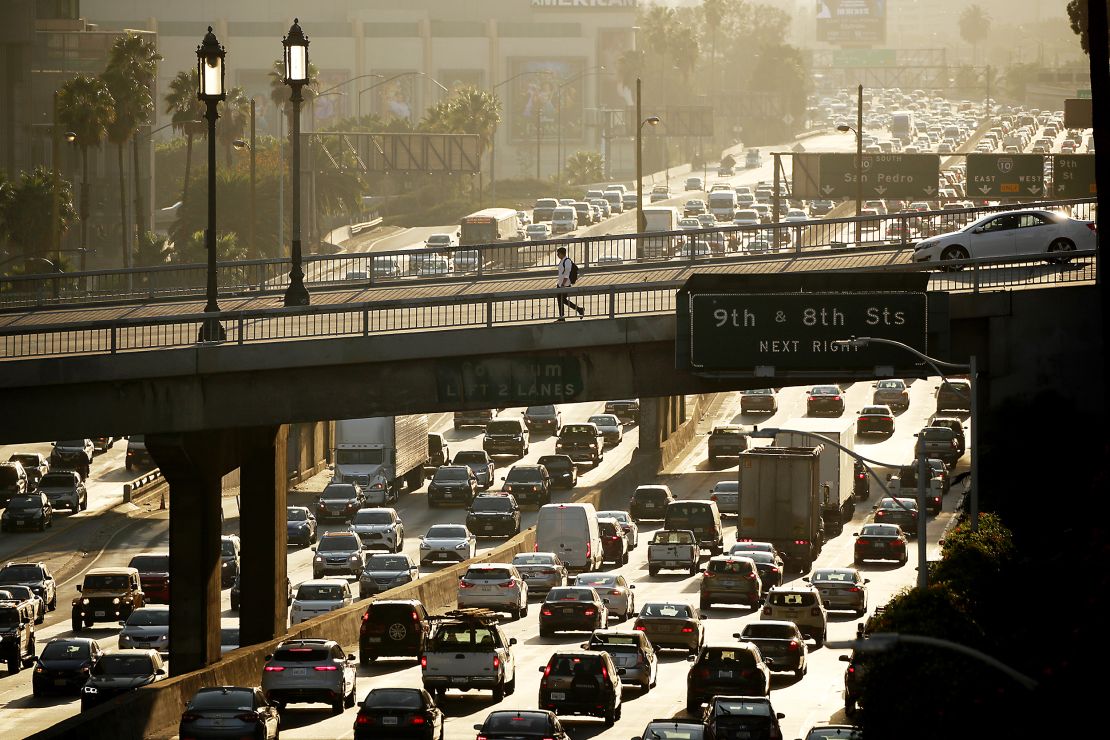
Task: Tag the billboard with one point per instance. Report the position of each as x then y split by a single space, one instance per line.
851 22
534 98
394 98
332 105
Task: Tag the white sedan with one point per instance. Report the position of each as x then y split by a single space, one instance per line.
1025 232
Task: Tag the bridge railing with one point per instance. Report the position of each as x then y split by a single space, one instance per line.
257 326
406 267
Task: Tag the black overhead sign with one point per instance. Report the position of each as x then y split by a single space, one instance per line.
795 332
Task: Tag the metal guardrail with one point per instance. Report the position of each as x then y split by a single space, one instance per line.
405 267
135 486
475 311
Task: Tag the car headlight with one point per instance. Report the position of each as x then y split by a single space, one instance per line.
84 601
462 545
115 601
425 546
925 245
224 564
353 557
89 689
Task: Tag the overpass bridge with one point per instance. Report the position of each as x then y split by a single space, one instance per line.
208 408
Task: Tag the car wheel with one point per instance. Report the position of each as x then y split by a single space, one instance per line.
510 687
954 252
499 692
1059 246
53 604
13 663
704 603
349 700
610 717
653 570
337 705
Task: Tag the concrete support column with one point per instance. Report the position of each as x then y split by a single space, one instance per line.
193 464
263 609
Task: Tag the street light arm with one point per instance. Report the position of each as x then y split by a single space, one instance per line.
882 641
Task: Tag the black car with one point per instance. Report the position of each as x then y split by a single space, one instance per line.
119 672
726 669
229 557
529 484
452 484
29 511
575 608
614 545
662 729
759 400
393 628
627 410
561 469
300 525
749 717
880 542
955 394
65 489
581 442
545 417
901 511
581 682
339 501
14 481
861 481
493 514
769 565
398 713
521 724
34 575
824 400
875 420
650 502
64 664
853 678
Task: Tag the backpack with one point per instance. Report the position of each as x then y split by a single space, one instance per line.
573 272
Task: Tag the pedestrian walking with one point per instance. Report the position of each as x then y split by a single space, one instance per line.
567 276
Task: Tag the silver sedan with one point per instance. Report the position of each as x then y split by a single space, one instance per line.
615 591
1030 232
612 431
841 588
542 571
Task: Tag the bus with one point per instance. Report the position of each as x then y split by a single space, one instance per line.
490 226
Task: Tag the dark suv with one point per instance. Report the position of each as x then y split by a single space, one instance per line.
107 595
494 514
650 502
726 669
955 394
451 484
583 682
563 471
13 481
582 442
392 628
530 484
626 409
17 636
476 418
506 437
543 417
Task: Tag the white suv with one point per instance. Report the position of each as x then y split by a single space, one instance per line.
495 586
801 605
310 671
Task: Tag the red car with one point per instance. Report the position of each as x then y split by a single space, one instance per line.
154 575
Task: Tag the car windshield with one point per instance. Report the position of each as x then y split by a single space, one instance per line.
899 505
875 411
838 575
503 427
105 583
681 611
556 462
577 430
21 574
151 563
28 461
518 723
533 559
789 598
65 651
462 637
296 515
339 543
340 492
571 594
672 537
891 385
447 532
540 411
491 503
938 434
149 618
470 456
372 517
825 390
373 456
678 730
387 562
227 547
744 708
596 579
620 516
604 420
452 474
57 480
741 658
230 700
726 486
319 592
733 567
78 443
879 530
393 699
521 474
755 630
301 654
25 502
488 574
123 665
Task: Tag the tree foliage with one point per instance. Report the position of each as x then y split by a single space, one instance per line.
86 107
584 168
1077 17
975 24
27 208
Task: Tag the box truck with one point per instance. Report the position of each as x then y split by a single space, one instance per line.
382 453
837 470
658 218
780 503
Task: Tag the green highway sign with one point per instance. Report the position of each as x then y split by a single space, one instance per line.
864 57
1073 175
500 382
1083 92
795 331
1078 113
1005 175
833 175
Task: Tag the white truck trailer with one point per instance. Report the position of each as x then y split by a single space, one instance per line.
382 453
837 467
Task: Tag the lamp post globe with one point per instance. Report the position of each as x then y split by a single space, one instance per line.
295 46
211 90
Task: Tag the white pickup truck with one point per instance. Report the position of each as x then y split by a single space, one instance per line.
903 484
467 650
675 549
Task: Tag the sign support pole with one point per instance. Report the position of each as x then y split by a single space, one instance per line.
776 199
859 162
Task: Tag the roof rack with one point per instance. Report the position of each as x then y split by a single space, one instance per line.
472 614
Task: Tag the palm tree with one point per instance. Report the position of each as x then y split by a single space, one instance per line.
182 103
234 118
132 104
140 57
86 107
474 111
584 168
152 250
26 211
975 25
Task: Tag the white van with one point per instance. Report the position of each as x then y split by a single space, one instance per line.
564 219
571 532
722 204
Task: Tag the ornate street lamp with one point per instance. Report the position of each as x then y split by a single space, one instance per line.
296 76
210 75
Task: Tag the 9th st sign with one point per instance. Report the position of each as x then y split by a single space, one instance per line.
796 331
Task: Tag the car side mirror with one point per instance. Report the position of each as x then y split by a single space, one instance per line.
351 656
827 603
845 659
691 658
867 580
479 727
542 668
621 671
855 534
512 640
78 588
780 715
160 672
122 623
631 586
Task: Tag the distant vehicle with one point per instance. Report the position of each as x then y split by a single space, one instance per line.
753 158
441 241
538 232
694 183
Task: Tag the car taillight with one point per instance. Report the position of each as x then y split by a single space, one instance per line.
190 717
1092 226
707 574
687 630
836 398
547 670
274 668
364 719
774 569
862 418
546 612
880 514
536 547
861 476
506 584
604 672
325 668
854 589
766 611
615 592
612 537
851 669
417 720
423 661
793 646
496 662
812 398
801 542
713 497
464 584
590 612
589 549
896 543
